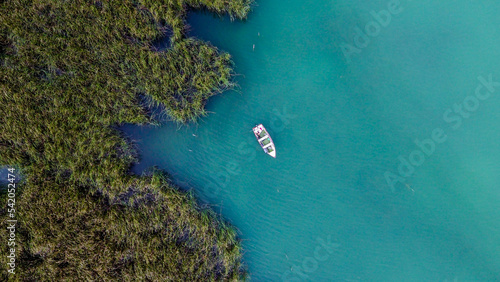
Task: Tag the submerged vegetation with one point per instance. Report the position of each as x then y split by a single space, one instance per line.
70 71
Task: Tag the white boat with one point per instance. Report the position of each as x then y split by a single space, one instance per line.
265 140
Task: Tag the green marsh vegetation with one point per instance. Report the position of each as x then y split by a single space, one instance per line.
70 72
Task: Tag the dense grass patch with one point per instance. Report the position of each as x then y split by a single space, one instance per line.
150 231
70 71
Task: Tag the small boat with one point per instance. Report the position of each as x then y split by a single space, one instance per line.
265 140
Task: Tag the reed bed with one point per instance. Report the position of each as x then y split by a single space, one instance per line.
70 72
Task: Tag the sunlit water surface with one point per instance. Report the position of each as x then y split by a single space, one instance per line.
323 210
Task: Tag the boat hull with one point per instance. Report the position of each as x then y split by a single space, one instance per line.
265 140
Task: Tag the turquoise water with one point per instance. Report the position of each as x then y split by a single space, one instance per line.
323 210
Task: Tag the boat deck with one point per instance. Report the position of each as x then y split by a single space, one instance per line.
265 140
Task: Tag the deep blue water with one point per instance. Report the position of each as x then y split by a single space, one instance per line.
343 116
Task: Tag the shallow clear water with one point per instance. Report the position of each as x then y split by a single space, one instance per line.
340 125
